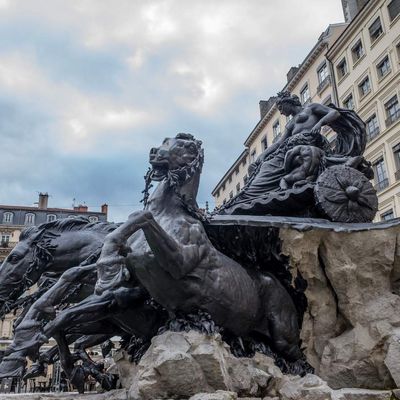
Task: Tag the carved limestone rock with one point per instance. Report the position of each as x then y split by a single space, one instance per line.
187 363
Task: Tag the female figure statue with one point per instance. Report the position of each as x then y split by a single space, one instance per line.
301 149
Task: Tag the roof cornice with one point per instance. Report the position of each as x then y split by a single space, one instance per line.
349 31
230 170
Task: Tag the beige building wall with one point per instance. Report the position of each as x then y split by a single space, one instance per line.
312 82
379 99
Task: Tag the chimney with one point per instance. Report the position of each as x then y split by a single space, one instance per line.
291 73
266 105
351 8
81 208
43 201
104 209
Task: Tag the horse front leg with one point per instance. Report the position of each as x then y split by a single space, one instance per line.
176 258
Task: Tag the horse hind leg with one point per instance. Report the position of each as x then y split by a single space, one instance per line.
280 322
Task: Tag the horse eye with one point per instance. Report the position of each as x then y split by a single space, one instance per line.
192 148
13 258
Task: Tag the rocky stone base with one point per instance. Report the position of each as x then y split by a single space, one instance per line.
191 365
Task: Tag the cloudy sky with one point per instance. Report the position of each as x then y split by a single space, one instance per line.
88 86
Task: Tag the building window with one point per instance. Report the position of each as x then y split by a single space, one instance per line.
392 111
237 171
375 30
323 77
394 9
29 219
380 175
322 73
217 194
244 161
238 187
305 94
51 217
396 154
276 130
5 239
342 68
8 218
230 179
364 87
224 201
327 100
387 215
383 67
253 156
264 143
245 179
357 51
231 194
372 127
349 102
93 218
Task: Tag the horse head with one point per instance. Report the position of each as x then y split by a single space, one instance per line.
17 271
179 161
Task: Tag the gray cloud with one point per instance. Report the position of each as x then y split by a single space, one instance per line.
87 87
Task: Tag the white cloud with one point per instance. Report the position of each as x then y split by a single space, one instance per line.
165 66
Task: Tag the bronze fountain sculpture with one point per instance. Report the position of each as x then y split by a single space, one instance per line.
167 262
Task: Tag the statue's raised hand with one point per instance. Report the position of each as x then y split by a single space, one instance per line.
316 129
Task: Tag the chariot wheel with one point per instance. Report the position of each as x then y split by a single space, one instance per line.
344 194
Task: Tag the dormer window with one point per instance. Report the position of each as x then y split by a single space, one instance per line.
29 219
93 218
8 218
51 217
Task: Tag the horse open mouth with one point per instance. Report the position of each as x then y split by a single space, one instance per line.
159 172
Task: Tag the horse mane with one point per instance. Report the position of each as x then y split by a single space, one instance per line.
69 224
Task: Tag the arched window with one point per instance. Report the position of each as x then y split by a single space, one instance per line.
8 218
29 219
92 218
51 217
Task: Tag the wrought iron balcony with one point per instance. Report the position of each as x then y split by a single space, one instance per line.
322 85
393 118
383 184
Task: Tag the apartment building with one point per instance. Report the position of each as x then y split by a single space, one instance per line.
366 65
355 65
13 219
312 82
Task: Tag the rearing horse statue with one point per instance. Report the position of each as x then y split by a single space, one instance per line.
175 261
165 248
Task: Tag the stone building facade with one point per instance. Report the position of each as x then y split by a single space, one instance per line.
13 219
353 65
366 65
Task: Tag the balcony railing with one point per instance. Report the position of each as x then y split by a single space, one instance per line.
324 84
372 134
383 184
393 118
7 245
